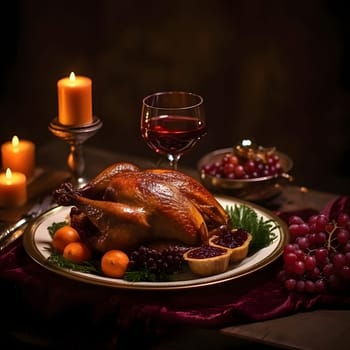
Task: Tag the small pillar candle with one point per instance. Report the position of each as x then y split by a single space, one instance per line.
75 100
13 189
19 155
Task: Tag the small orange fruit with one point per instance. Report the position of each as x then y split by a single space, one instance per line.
114 263
77 252
63 236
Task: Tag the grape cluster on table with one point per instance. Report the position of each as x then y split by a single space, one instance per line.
317 259
232 167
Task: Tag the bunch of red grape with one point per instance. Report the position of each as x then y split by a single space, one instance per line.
317 259
232 167
159 263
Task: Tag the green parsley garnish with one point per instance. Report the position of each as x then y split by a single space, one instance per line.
91 266
144 275
262 230
55 226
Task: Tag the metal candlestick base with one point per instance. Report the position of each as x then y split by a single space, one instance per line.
75 136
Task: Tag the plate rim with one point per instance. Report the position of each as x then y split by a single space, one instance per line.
34 252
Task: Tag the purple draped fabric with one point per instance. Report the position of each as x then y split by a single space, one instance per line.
254 297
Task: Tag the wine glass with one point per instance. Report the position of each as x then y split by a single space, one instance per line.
172 122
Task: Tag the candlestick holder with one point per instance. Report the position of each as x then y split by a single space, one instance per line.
75 136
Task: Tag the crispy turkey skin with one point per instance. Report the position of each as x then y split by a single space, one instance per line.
126 207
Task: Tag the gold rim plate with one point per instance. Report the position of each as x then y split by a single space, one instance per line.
36 241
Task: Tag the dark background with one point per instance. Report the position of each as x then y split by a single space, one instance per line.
276 71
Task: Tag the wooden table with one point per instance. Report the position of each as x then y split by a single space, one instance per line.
313 330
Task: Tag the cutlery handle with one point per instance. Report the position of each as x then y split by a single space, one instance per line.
9 230
15 235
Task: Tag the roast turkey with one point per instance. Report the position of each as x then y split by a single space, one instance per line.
125 207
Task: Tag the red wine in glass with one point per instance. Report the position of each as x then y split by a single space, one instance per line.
174 135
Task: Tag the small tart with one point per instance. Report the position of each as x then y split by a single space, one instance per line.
207 260
237 253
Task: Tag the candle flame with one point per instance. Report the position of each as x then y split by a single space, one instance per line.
72 77
8 174
15 141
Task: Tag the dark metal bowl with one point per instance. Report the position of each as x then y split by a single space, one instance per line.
255 190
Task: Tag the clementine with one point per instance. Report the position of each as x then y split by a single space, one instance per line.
77 252
63 236
114 263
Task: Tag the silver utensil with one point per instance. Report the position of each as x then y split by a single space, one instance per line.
16 230
13 237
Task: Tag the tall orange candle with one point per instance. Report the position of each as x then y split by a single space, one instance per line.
75 100
13 189
19 155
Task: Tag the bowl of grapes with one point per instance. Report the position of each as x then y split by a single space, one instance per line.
247 171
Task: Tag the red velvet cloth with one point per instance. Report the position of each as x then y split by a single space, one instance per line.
255 297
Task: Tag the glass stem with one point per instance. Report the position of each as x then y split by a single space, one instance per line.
173 159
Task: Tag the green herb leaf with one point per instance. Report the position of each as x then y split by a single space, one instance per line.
140 276
247 218
55 226
91 266
145 275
